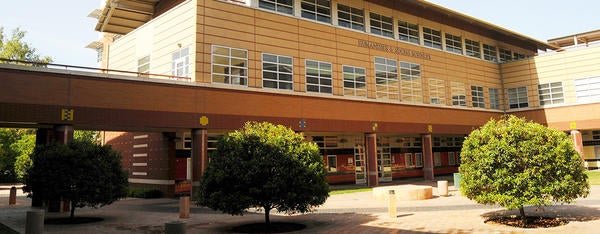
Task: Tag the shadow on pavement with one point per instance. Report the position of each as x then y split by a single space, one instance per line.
571 213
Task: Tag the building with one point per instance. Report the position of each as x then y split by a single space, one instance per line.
387 89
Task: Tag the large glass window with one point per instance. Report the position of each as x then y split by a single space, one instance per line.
472 48
477 96
489 53
551 93
432 38
494 98
518 56
283 6
386 78
229 65
517 97
355 83
278 71
437 91
587 89
459 96
318 77
505 55
408 32
180 65
381 25
453 43
410 83
351 17
332 163
319 10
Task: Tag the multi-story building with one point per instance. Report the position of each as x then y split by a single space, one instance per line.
387 89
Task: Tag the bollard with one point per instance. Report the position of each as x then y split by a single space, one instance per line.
442 187
175 227
12 199
184 207
392 204
34 222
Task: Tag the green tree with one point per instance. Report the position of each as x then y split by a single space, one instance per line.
14 144
15 48
264 165
513 162
85 173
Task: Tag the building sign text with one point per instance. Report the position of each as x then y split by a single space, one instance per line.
393 49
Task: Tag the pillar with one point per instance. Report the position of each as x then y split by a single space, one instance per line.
371 158
428 172
63 134
577 142
43 136
199 155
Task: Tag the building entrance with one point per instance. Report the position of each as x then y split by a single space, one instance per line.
360 168
384 160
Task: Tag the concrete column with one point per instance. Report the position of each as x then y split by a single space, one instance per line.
428 173
169 141
199 154
34 222
371 158
577 142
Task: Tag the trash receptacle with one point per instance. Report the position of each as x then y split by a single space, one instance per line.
457 181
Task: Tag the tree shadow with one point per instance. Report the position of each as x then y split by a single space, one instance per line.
570 213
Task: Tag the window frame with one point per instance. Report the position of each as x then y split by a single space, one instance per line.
434 87
408 32
477 96
277 4
472 48
329 157
494 95
320 76
278 74
387 82
143 67
229 67
352 22
181 61
353 80
505 55
520 95
459 95
490 53
454 43
556 94
382 21
432 38
411 84
587 89
316 13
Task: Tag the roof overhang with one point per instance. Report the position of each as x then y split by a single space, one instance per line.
123 16
575 39
444 15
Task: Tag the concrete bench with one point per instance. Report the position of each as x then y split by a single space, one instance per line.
403 192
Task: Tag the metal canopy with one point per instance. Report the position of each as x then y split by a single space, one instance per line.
123 16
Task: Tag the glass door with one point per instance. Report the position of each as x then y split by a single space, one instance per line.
359 162
384 159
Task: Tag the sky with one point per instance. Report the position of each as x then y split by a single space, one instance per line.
61 29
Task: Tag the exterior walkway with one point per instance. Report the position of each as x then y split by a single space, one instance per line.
345 213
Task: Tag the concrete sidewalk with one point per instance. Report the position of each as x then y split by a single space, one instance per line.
346 213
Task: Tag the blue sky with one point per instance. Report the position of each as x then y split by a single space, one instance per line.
61 28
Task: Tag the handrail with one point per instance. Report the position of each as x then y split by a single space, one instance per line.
92 69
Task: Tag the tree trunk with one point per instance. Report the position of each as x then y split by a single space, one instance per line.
523 217
72 209
267 210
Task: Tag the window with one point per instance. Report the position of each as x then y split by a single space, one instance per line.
410 82
459 96
408 32
187 140
451 158
477 96
181 63
437 159
282 6
99 54
551 93
408 160
432 38
517 97
596 135
144 65
505 55
319 10
229 65
494 98
381 25
453 43
355 83
419 159
386 78
278 71
472 48
437 92
489 53
518 56
351 17
587 89
318 77
332 163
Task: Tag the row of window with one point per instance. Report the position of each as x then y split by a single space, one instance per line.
354 18
230 66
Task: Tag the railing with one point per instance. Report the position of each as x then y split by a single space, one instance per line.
92 69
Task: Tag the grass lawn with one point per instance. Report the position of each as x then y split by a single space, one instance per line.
344 191
594 177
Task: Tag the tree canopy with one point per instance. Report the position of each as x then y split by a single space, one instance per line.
264 165
14 48
85 173
513 162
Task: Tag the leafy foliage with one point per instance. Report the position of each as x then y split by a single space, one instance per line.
85 173
144 193
15 48
513 162
15 147
264 165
